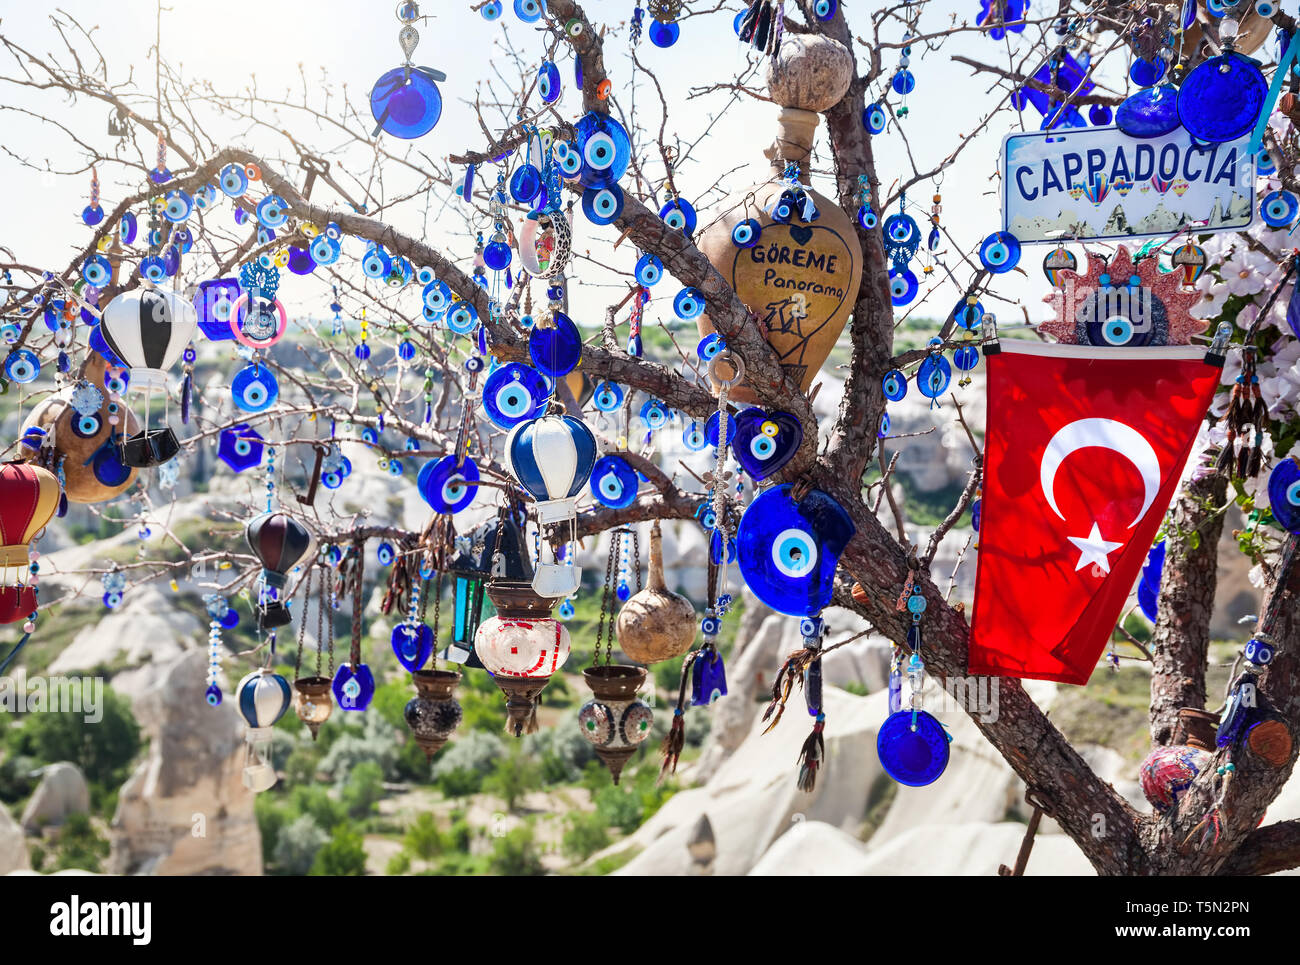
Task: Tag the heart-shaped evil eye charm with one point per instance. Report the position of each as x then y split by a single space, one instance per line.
1000 252
412 645
710 346
22 366
679 215
933 376
462 318
874 118
1284 494
272 212
178 207
437 296
613 482
746 233
1278 209
765 441
525 183
654 414
385 554
711 425
529 11
569 160
447 487
903 286
254 388
688 303
513 393
376 263
693 437
789 551
894 385
608 396
153 268
97 271
548 82
867 218
664 35
825 9
783 209
649 269
602 205
233 181
325 250
966 357
968 315
491 10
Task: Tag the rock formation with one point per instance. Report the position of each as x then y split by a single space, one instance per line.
62 792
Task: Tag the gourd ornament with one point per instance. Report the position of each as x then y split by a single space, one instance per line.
800 277
656 624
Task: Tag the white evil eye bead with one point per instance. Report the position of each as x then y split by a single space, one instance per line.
867 218
1000 252
746 234
894 385
462 318
529 11
97 271
874 118
178 207
22 366
233 181
602 205
272 212
693 437
574 28
599 151
825 9
1117 330
608 396
688 303
491 11
424 275
649 269
1278 209
794 551
376 263
548 82
709 346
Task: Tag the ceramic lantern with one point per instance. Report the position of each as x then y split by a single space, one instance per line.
799 277
434 713
656 623
522 646
615 721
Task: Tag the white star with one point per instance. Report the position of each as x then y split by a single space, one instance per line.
1094 549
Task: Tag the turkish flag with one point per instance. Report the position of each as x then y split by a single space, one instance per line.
1083 450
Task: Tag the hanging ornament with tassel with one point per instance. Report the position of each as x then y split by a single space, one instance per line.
763 26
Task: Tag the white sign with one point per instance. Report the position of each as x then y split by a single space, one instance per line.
1097 183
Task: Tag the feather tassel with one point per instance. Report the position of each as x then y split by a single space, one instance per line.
811 755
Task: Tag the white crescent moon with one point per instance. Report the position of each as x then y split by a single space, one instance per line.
1105 434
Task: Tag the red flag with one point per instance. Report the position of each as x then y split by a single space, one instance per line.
1083 450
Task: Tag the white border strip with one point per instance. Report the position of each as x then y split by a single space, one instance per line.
1099 354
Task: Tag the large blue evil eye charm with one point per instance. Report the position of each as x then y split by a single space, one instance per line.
437 296
446 487
649 269
710 346
693 437
233 181
548 82
746 233
679 215
789 551
766 441
608 396
933 376
1278 209
413 645
1000 252
556 350
272 212
689 303
97 271
179 206
613 482
22 366
913 748
462 318
874 118
376 262
602 205
1284 494
895 385
513 393
903 286
529 11
605 148
254 388
654 414
867 218
353 690
711 430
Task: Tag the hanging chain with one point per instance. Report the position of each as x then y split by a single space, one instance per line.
357 574
636 557
326 604
605 624
302 627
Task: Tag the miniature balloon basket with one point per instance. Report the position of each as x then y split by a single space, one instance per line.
615 721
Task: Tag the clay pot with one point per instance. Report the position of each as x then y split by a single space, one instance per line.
616 721
656 624
312 702
434 713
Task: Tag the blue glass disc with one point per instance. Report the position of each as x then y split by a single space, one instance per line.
1221 99
1284 494
613 482
1149 113
557 350
353 691
912 757
406 106
254 388
446 487
514 393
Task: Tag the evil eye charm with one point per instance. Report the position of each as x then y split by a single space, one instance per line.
179 206
602 205
766 441
894 385
783 209
1284 494
664 35
867 218
933 376
376 263
903 82
746 233
1278 209
233 181
525 183
1264 163
825 9
966 358
446 487
22 366
874 118
462 318
599 151
569 160
491 11
153 268
710 626
608 396
556 350
654 414
711 430
128 226
709 347
1259 653
117 382
788 551
437 296
97 271
1000 252
86 426
385 553
706 516
272 212
92 214
514 393
903 286
901 231
613 482
693 437
325 250
967 315
370 436
883 431
679 215
548 82
649 269
529 11
254 388
688 303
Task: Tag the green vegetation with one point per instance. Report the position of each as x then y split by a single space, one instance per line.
76 844
343 854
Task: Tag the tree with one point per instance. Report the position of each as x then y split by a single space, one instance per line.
297 846
850 463
512 777
343 854
103 749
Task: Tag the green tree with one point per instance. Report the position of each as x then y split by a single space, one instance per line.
585 835
513 777
343 854
364 788
103 749
515 854
79 846
423 839
297 845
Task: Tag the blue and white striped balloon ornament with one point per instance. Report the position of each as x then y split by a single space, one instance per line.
262 698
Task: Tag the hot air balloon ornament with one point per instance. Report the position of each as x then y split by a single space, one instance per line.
147 330
1189 259
552 457
279 542
29 496
263 697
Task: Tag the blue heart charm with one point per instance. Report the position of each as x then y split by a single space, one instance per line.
353 691
765 441
413 645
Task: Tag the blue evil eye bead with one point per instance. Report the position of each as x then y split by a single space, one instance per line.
370 435
716 549
883 431
607 397
933 376
446 487
901 230
693 437
746 233
182 239
664 35
688 303
325 251
496 255
179 206
97 271
385 554
613 482
205 197
112 600
1284 494
1100 115
903 82
353 690
825 9
766 441
1278 209
569 160
966 357
711 429
565 611
710 346
894 385
437 296
513 393
710 626
1264 163
649 269
462 318
525 183
783 210
867 218
654 414
556 350
86 426
968 316
424 275
1259 653
412 645
605 148
1000 252
301 261
272 212
1221 98
128 227
529 11
233 181
406 350
91 215
602 205
22 366
679 214
376 263
254 388
153 268
491 11
362 351
706 516
788 551
913 747
331 479
548 82
9 332
903 286
874 118
117 383
212 695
